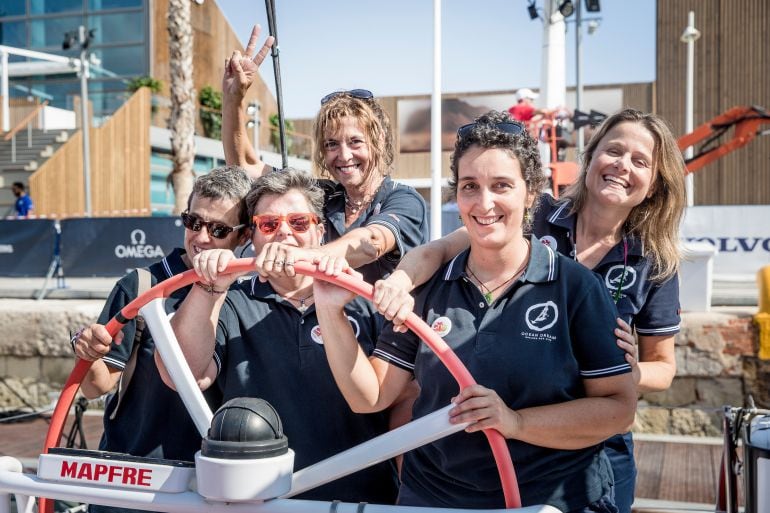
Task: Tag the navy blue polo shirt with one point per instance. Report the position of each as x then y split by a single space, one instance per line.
651 308
534 346
141 425
397 207
266 348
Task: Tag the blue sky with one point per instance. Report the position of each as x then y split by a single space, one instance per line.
386 46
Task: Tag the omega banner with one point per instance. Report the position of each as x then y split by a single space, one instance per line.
26 247
111 246
740 234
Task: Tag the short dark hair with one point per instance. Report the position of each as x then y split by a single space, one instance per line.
225 182
521 146
283 181
19 185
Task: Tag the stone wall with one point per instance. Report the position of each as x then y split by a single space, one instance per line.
716 363
716 366
35 354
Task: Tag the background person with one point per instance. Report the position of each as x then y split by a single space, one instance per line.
266 342
555 389
620 219
371 220
23 205
524 109
136 417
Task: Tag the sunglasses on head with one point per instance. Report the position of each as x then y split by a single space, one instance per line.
509 127
361 94
268 224
215 229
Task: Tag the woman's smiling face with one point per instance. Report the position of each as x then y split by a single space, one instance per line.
347 153
622 171
492 196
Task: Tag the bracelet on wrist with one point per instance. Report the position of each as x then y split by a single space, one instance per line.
209 288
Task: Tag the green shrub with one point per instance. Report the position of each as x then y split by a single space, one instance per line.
275 136
211 112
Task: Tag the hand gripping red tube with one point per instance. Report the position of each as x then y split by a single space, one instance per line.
165 288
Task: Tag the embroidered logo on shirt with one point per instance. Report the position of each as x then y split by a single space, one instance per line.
614 277
549 241
442 326
315 331
542 316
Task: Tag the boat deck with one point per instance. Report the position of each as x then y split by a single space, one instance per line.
674 473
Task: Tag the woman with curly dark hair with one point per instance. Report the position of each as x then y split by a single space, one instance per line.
534 327
620 219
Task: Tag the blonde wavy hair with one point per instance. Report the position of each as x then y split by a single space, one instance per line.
374 122
655 221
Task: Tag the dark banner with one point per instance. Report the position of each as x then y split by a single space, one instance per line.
26 247
111 246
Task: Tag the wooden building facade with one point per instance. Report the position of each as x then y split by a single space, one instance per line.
732 67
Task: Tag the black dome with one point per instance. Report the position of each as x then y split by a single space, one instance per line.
245 428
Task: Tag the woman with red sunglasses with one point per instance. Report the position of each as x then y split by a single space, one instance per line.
265 340
371 221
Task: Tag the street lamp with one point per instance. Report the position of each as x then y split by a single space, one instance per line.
689 36
593 25
82 38
253 111
566 8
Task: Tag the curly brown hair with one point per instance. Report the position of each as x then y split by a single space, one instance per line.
485 132
374 122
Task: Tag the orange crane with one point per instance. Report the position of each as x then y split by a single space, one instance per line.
746 122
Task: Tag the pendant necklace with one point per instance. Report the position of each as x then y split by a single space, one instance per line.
356 206
302 307
486 292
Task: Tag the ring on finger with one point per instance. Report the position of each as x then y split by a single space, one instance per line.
289 262
279 262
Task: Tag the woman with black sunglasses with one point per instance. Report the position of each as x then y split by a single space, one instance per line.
533 327
261 339
620 219
371 221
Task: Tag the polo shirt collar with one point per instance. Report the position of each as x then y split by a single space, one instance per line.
542 264
559 215
262 290
173 263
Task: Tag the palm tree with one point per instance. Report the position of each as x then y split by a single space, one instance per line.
182 119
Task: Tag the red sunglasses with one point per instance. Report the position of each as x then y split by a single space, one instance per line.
268 224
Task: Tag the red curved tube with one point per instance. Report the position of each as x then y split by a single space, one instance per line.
353 284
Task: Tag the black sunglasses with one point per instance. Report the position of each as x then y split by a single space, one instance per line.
361 94
215 229
509 127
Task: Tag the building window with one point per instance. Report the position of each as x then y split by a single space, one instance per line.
13 33
12 7
126 27
49 32
55 6
99 5
123 60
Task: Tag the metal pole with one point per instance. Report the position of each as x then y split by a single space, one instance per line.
272 25
85 119
579 72
4 91
435 128
689 36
